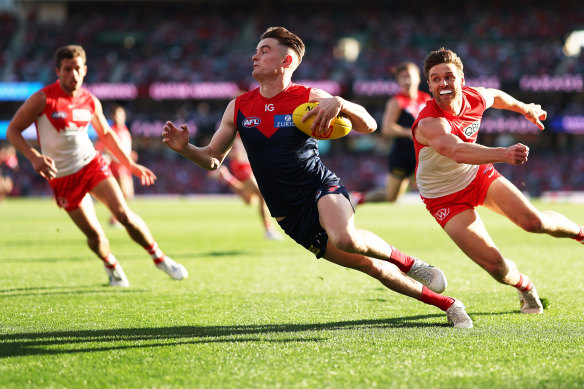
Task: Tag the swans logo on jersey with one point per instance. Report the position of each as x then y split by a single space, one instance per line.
81 115
283 121
59 115
472 129
442 213
251 122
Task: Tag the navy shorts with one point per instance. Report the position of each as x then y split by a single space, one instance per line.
304 226
402 158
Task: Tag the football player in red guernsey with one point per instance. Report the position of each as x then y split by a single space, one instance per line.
67 159
455 174
307 199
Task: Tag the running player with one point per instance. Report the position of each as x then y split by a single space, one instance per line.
308 200
455 174
400 112
121 173
62 113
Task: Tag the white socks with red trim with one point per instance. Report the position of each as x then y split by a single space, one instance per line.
155 253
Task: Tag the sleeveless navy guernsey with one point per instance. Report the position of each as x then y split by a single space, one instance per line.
284 160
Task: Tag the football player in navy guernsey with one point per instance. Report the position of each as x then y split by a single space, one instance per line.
307 199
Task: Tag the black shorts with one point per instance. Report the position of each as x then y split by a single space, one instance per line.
402 158
304 226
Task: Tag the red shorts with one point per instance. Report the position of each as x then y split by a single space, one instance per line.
119 170
444 208
241 170
71 189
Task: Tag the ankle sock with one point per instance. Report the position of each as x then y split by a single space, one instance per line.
403 261
155 253
435 299
524 283
110 261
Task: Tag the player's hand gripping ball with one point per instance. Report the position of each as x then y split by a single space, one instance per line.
340 125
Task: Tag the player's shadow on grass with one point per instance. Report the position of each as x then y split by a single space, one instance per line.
64 290
86 341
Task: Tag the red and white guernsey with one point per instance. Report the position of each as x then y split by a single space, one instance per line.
437 175
62 129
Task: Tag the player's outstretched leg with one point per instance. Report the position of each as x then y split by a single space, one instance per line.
393 278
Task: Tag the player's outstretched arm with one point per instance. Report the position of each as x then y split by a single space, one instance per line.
330 106
209 157
435 132
500 100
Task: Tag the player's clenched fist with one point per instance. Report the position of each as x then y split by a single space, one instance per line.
517 154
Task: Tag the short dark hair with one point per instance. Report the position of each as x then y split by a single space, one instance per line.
440 56
405 66
286 38
69 52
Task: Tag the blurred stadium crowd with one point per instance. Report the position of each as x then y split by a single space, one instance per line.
143 42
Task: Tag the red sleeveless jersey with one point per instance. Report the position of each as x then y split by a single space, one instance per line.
62 128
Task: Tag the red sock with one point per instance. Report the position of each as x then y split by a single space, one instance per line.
403 261
435 299
580 237
155 253
524 283
110 261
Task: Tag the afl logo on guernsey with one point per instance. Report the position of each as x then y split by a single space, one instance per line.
251 122
59 115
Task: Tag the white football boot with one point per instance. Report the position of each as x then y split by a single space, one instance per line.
173 269
457 315
429 275
117 277
529 301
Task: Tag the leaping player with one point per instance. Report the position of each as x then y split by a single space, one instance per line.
455 174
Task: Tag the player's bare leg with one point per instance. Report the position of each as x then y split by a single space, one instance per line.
504 198
395 187
391 277
467 230
109 193
338 219
86 220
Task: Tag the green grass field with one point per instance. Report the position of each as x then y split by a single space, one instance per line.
263 314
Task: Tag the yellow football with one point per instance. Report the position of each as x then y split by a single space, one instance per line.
340 126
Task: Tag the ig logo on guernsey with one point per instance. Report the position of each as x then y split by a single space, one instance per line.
251 122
